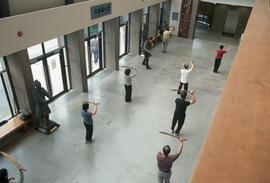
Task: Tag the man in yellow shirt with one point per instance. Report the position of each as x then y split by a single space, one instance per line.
166 36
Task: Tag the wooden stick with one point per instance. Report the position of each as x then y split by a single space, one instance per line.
12 160
86 101
165 133
182 90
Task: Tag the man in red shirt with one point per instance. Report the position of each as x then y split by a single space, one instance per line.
219 55
165 161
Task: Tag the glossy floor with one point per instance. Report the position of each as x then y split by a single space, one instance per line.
126 138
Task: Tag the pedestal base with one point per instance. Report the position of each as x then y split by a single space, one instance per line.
49 129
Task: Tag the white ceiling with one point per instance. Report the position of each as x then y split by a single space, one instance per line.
248 3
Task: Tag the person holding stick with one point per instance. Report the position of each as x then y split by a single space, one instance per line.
165 161
128 86
4 172
166 37
219 55
146 50
184 76
180 110
87 119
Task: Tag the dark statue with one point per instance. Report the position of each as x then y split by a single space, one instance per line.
42 109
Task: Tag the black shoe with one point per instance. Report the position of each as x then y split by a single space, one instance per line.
148 67
143 63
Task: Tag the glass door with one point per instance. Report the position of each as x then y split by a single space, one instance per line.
39 74
145 27
96 56
123 40
55 74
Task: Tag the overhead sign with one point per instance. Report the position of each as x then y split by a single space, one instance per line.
101 10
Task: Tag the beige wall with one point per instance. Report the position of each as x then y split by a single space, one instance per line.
25 6
220 14
46 24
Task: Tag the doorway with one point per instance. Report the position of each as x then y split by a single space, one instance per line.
49 66
124 35
93 48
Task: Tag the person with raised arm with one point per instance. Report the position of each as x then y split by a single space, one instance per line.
180 110
87 120
165 161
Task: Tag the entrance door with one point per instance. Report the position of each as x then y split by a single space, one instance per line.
96 56
123 40
145 27
231 22
50 72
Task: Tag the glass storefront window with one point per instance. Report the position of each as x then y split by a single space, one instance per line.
67 70
35 51
124 19
122 49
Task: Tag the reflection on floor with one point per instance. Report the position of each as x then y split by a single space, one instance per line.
126 137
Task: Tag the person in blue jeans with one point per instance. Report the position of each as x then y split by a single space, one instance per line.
88 121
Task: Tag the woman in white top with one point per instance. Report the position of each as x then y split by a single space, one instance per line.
184 76
4 176
128 86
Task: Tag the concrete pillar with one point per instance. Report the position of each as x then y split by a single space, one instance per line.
135 29
112 43
176 10
76 50
153 20
167 10
22 78
192 25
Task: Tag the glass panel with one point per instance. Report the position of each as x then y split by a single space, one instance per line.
124 19
67 70
122 49
10 93
34 51
4 107
146 10
54 66
94 29
38 73
95 58
2 64
85 33
87 58
52 44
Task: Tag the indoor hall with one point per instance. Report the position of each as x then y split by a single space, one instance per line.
126 138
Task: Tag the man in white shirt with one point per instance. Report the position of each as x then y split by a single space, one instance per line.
184 76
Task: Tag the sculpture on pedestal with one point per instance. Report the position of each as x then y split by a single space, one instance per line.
42 109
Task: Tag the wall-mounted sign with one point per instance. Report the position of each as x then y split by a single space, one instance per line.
101 10
175 16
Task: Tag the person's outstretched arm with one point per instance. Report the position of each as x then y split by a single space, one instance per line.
173 28
95 110
181 146
192 65
21 170
193 100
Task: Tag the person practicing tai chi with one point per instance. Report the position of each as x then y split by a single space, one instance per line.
146 50
87 119
128 86
166 37
184 76
4 172
219 55
180 110
165 161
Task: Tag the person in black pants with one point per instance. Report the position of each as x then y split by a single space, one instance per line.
219 56
180 110
128 86
87 120
146 47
